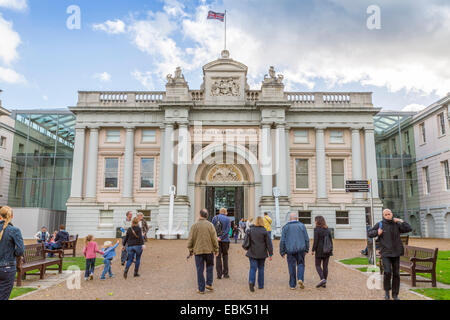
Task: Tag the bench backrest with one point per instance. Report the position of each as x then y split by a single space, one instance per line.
423 253
34 252
71 243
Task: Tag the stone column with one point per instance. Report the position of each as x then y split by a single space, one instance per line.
78 163
167 175
320 165
356 159
183 156
288 160
128 172
266 160
161 182
91 181
280 156
371 159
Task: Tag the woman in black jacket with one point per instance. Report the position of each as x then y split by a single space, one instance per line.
135 242
391 248
258 247
323 248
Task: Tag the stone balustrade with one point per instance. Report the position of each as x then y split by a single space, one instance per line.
197 95
323 99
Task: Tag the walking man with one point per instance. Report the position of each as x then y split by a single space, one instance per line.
203 245
222 225
143 224
391 248
295 243
125 225
268 225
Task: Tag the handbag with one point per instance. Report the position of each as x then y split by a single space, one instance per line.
246 244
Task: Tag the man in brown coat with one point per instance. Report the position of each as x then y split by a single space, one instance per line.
203 245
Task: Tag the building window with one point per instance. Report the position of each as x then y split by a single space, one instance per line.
106 218
148 136
113 135
336 136
342 217
337 174
304 217
111 172
446 174
423 137
301 136
147 214
426 180
301 174
397 186
409 177
3 142
19 184
21 148
147 172
441 123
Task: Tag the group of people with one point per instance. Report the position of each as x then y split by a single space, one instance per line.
134 234
53 242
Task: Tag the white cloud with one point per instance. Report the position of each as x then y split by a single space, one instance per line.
112 27
103 77
174 8
414 107
10 76
18 5
9 41
145 78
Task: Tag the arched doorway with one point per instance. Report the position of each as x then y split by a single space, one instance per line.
225 176
413 221
430 226
447 224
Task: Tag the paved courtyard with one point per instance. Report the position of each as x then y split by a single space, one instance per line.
166 274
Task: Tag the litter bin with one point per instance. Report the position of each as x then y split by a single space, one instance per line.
118 233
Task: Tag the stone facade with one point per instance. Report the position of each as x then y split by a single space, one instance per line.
132 146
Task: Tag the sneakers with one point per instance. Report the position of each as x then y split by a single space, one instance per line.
200 292
293 288
125 274
102 278
86 278
395 298
300 283
251 287
210 288
321 283
112 276
91 277
137 275
226 276
386 295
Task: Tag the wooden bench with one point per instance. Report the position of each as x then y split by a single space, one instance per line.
34 258
418 260
70 245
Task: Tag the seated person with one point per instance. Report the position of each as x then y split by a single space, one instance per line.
61 236
42 236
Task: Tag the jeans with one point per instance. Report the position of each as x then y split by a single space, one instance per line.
391 269
296 266
90 266
107 268
200 261
124 254
222 270
257 264
322 267
134 251
7 276
52 246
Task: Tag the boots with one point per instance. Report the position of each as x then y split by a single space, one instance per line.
386 296
125 273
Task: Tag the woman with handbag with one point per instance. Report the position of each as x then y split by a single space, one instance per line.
134 242
258 247
323 249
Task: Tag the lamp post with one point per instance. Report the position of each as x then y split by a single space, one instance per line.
276 194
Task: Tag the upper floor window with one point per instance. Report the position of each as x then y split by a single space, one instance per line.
423 137
301 174
441 123
3 142
301 136
148 136
337 174
410 180
111 172
147 172
426 180
113 135
336 136
445 166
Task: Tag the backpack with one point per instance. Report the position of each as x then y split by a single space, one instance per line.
327 244
218 227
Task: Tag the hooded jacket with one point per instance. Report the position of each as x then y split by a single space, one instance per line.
390 242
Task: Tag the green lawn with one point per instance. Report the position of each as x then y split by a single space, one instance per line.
356 261
442 268
435 293
19 291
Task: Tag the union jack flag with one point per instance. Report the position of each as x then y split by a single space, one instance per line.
216 15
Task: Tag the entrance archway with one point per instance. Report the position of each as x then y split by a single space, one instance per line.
229 171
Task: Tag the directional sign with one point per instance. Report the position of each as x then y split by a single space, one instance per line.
357 186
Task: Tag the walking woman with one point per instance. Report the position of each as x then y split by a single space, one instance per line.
11 246
135 244
258 246
323 249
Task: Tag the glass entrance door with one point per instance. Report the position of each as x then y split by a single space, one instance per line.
231 198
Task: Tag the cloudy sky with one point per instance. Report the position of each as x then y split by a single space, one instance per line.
320 45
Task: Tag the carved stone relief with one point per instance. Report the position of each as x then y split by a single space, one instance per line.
225 87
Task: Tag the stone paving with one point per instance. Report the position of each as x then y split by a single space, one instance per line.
167 274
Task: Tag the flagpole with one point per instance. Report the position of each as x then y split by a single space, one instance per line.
225 29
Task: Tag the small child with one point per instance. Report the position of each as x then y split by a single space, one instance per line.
90 252
109 252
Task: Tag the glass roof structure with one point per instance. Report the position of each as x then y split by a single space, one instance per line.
385 121
59 124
